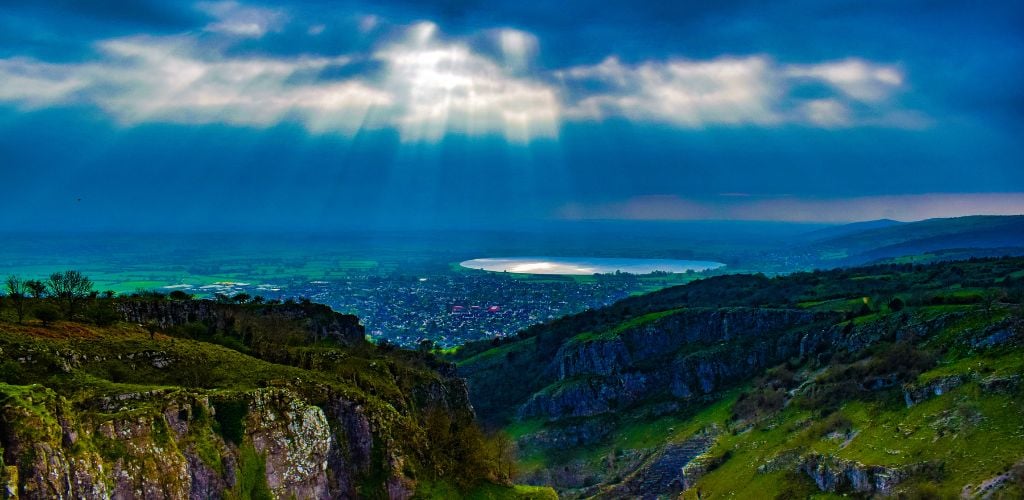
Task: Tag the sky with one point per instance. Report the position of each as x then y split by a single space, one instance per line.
214 115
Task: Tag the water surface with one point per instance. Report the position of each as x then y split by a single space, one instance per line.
587 265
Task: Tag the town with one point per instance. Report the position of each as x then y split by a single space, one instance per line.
453 308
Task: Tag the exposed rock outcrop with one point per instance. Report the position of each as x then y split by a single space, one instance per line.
833 474
584 397
917 393
689 353
176 446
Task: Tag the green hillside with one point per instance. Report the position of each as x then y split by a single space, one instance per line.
893 379
235 401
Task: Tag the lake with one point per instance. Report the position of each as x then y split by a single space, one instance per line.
587 265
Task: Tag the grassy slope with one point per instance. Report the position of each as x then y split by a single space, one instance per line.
974 434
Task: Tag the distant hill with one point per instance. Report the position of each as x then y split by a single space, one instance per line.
848 229
875 240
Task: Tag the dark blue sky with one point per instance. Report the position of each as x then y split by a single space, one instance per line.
320 115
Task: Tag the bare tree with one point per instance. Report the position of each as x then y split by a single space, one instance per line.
17 292
36 288
69 287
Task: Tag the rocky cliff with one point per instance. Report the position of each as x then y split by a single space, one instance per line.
685 354
122 411
178 445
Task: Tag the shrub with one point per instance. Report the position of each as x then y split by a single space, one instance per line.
46 313
758 403
836 422
102 315
179 295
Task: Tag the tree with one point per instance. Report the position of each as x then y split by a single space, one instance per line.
16 292
69 287
102 314
240 298
46 313
991 298
179 295
152 329
36 288
505 453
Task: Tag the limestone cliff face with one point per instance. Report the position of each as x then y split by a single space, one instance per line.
686 354
833 474
175 445
318 321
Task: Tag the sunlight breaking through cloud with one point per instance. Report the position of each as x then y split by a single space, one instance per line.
447 87
430 86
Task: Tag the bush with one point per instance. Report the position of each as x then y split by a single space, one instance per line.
891 365
11 372
194 330
102 315
758 403
47 313
179 295
836 422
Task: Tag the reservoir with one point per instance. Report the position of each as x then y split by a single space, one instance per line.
587 265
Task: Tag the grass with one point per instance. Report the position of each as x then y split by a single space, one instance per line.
82 365
498 353
993 363
973 435
622 327
251 482
486 491
969 434
522 428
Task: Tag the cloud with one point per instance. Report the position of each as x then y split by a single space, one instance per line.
827 113
857 79
784 208
426 85
233 18
751 90
34 84
444 87
428 88
517 47
685 93
144 79
368 23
